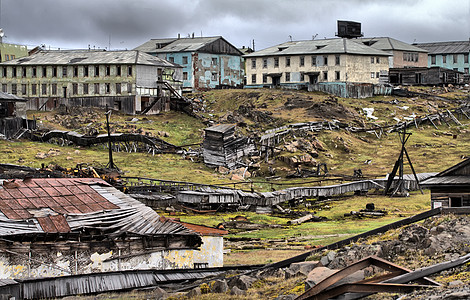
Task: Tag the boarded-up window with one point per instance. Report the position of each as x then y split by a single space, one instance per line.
23 89
34 89
75 88
44 89
97 88
465 58
54 89
118 88
85 88
14 90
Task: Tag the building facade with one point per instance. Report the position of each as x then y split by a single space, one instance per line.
208 62
449 55
12 51
403 55
316 61
128 81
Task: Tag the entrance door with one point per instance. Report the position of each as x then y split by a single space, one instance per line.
65 91
276 80
313 78
456 202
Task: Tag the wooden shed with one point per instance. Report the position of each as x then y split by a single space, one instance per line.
451 187
223 148
12 115
425 76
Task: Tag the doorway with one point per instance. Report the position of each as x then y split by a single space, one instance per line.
65 91
456 202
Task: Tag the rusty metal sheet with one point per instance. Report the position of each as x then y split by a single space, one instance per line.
86 189
62 201
84 208
40 192
4 194
15 193
72 209
74 200
63 191
108 205
51 191
60 223
25 203
27 192
12 204
23 213
11 214
47 225
38 202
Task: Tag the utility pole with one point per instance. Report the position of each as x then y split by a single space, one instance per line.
110 164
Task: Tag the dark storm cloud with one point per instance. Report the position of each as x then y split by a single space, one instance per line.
126 23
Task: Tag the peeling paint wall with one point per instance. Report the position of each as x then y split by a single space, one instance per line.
211 252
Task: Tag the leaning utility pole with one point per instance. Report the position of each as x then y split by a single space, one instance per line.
110 164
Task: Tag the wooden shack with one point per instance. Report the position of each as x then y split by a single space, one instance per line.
425 76
223 148
451 187
12 115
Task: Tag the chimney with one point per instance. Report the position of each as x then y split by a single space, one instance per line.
179 36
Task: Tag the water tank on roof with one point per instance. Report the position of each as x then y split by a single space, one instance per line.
349 29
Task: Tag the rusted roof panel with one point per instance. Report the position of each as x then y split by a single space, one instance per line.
47 225
204 230
60 223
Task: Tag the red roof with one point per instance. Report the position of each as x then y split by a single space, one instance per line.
49 199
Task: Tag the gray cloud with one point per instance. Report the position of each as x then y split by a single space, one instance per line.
128 23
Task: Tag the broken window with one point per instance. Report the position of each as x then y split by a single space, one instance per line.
433 59
377 74
24 71
97 88
13 72
129 71
253 78
214 61
4 88
54 89
276 62
75 88
4 72
34 89
465 70
265 78
253 63
44 71
314 60
337 75
325 60
287 76
185 60
372 75
75 71
108 70
33 72
444 59
372 60
97 71
14 89
64 71
265 63
455 58
287 61
118 70
54 71
465 58
118 88
302 61
85 88
325 76
214 76
337 60
44 89
85 71
171 59
377 60
107 88
129 87
23 89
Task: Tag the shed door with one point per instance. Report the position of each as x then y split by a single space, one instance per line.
456 202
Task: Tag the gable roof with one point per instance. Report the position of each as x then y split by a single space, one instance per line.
76 205
313 47
168 45
458 174
90 57
389 44
5 97
445 47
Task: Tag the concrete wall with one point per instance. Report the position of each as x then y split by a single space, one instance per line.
400 62
211 252
460 65
12 51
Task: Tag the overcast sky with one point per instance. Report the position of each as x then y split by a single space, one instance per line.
125 24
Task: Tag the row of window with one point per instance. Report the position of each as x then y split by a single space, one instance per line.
185 60
287 77
9 57
455 58
86 88
66 71
410 56
313 61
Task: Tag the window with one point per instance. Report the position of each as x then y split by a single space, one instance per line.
265 78
372 60
85 71
85 88
314 60
107 87
23 89
34 89
118 88
44 71
4 88
287 76
74 88
337 75
129 71
410 56
33 72
118 70
185 75
377 59
454 58
7 57
287 61
377 75
465 58
185 60
253 63
337 60
253 78
13 72
54 88
97 71
23 72
129 87
302 61
14 89
214 76
433 59
4 72
465 70
44 89
276 62
75 71
214 61
325 76
54 72
97 88
108 70
372 75
171 59
444 59
64 71
325 60
265 63
12 56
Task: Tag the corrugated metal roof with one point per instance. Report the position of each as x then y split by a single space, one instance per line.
201 229
10 97
446 180
61 205
445 47
177 45
388 43
90 57
313 47
220 128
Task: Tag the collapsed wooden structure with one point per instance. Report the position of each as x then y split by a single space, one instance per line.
13 121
